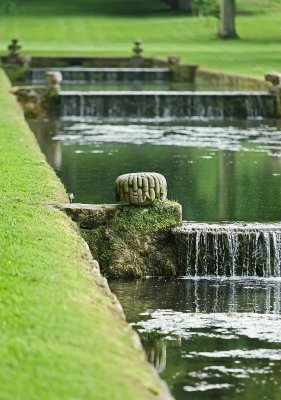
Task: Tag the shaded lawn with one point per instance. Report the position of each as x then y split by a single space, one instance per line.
123 7
108 27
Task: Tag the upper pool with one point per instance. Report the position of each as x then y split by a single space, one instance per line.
216 171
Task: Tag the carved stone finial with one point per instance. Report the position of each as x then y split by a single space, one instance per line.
14 48
141 188
174 60
273 77
53 77
138 48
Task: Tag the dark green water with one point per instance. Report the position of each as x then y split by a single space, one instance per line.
209 338
216 171
140 86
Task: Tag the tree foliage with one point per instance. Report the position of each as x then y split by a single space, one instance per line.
206 7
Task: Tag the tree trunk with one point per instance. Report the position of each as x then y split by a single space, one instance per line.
227 20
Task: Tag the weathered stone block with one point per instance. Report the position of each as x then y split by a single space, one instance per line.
89 216
129 241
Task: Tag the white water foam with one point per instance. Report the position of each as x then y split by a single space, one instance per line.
203 387
264 138
260 354
263 327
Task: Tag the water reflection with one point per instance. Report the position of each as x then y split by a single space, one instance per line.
45 132
203 295
226 189
214 338
156 352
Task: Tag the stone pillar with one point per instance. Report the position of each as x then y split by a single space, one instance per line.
54 80
275 79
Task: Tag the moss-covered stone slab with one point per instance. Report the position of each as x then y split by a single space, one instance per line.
129 241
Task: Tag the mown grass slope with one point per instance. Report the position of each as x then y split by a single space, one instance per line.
108 27
61 337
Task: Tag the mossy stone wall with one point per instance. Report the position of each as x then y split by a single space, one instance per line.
130 241
237 82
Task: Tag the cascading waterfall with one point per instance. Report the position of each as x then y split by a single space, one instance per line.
80 75
165 104
228 249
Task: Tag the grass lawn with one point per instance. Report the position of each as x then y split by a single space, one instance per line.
61 337
108 27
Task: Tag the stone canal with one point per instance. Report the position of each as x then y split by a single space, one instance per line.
209 337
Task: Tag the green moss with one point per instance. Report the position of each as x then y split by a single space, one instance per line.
50 101
37 101
16 73
204 76
182 73
142 220
136 241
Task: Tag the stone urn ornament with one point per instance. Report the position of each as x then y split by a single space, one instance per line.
138 50
141 188
14 48
174 60
54 80
274 78
53 77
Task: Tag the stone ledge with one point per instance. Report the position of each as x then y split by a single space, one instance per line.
89 216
